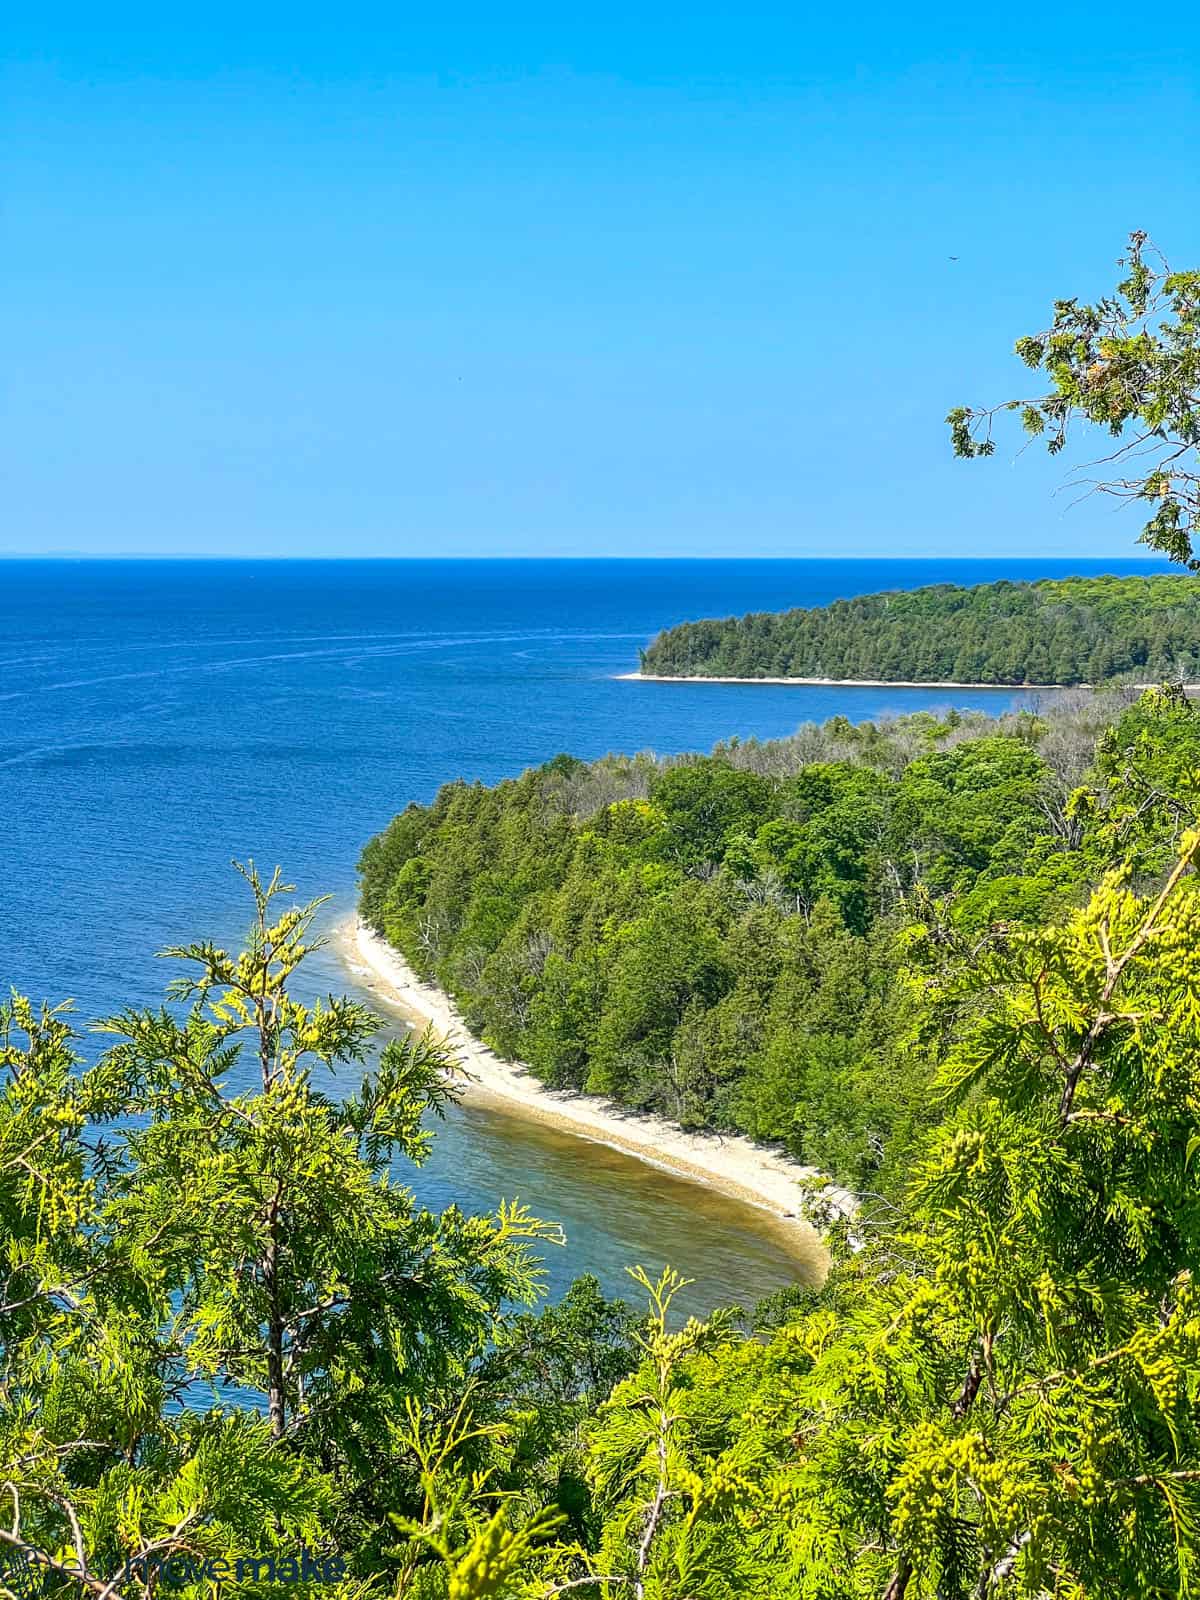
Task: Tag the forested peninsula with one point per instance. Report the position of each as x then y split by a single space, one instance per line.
1054 632
729 941
955 961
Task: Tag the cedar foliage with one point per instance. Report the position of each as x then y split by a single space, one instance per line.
225 1326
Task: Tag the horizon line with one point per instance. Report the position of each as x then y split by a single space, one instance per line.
159 555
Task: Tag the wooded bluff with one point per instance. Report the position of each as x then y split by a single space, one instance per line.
1057 631
227 1325
726 939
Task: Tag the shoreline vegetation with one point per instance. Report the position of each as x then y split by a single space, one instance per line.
751 1174
848 683
741 944
1054 633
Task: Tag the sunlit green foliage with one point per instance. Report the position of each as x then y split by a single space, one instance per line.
718 939
1129 364
226 1327
215 1313
998 1396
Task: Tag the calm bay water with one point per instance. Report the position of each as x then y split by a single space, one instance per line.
159 718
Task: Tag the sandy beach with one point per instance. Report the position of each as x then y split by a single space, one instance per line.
732 1165
843 683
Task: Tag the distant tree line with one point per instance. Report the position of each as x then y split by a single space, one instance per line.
1068 631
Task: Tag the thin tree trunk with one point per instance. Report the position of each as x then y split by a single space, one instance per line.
270 1274
972 1379
898 1583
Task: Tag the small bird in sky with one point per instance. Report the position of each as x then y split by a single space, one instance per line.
952 258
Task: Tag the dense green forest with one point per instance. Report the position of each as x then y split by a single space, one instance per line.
956 961
1069 631
724 939
235 1352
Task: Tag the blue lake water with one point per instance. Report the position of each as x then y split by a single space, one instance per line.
160 717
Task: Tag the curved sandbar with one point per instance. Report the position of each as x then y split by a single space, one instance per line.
841 683
730 1164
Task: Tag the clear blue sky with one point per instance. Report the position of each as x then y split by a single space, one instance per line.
616 280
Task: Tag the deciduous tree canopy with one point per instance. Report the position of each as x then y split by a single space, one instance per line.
721 939
1129 364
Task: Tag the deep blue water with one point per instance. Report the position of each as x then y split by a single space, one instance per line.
159 718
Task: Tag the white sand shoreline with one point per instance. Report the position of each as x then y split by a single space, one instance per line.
732 1165
848 683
